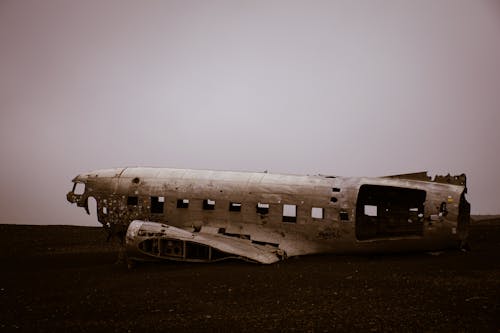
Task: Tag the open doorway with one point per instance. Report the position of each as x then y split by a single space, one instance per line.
387 211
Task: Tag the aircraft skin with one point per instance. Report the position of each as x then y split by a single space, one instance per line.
204 216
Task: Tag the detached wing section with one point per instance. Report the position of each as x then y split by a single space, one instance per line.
155 241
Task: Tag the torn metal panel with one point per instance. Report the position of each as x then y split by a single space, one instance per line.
413 176
297 214
460 180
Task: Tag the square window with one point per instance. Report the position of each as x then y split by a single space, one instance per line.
157 204
344 216
182 203
235 207
289 213
317 213
132 201
208 204
262 208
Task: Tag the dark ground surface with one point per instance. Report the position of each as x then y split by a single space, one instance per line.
62 278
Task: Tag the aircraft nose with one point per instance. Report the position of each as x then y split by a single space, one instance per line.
71 197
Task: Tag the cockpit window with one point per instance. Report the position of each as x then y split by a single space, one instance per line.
79 188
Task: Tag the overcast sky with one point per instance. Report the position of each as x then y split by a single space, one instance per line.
352 88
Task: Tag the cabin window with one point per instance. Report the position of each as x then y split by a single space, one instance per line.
370 210
333 199
317 212
182 203
157 205
208 204
132 201
344 216
335 189
289 213
235 207
262 208
79 188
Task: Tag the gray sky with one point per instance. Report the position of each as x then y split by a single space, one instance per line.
352 88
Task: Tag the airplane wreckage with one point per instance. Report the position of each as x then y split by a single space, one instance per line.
206 216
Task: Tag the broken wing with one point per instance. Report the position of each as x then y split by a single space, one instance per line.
156 241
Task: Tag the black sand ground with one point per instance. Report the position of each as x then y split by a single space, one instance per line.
62 278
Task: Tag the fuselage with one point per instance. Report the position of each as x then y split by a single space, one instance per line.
298 214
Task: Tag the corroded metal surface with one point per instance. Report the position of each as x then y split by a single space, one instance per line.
282 215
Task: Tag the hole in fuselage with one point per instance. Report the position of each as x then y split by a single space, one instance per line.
92 205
